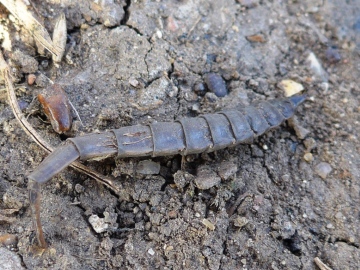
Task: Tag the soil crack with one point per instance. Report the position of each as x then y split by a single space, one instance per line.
127 13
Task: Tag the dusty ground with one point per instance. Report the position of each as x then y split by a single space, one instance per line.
136 62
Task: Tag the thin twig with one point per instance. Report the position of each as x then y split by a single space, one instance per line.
321 265
195 24
76 112
5 70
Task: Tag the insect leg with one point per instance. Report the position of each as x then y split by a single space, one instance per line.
35 200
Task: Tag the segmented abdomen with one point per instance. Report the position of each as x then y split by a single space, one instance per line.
206 133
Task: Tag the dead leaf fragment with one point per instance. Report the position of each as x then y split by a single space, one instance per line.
59 37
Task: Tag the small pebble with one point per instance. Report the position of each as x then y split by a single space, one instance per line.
310 144
159 34
285 178
151 252
290 87
85 26
112 13
99 225
206 178
106 244
195 107
339 216
172 214
253 84
169 248
287 230
31 79
324 86
200 89
308 157
133 82
332 54
20 229
323 169
211 97
9 260
45 63
283 69
152 96
27 63
256 151
227 169
23 104
240 222
79 188
41 80
148 167
181 179
300 131
216 84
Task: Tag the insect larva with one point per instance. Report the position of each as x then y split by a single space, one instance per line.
205 133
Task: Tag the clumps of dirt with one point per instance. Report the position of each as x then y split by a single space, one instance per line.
278 203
